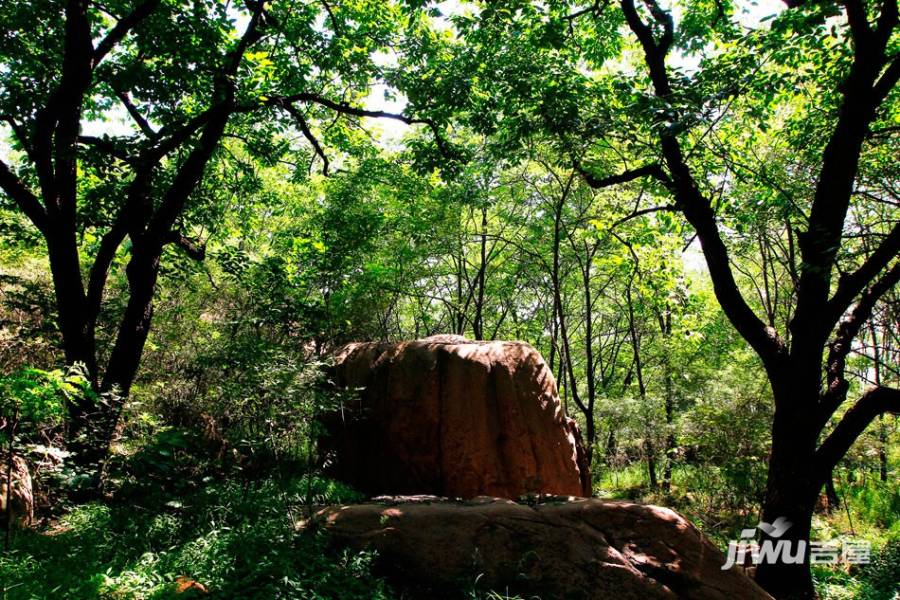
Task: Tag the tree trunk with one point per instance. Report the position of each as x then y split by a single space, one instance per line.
92 428
831 493
649 449
789 581
665 321
78 345
791 492
611 446
478 322
651 461
590 376
882 428
670 435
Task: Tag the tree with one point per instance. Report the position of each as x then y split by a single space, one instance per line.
188 76
656 122
807 376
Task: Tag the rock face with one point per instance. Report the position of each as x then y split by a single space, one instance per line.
452 417
576 549
21 498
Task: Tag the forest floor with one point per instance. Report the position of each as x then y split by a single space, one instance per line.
177 527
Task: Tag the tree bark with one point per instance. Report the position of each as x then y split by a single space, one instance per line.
791 493
665 322
649 449
478 322
831 493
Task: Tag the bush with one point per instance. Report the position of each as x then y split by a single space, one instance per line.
879 580
235 541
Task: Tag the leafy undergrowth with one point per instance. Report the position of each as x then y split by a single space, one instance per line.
879 580
180 525
230 539
722 504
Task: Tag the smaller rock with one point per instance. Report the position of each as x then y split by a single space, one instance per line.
21 497
552 548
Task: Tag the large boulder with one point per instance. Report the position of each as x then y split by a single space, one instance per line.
21 496
452 417
578 549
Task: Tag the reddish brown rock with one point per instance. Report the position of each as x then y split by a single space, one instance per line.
452 417
21 497
578 549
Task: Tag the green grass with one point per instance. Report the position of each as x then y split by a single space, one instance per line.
722 503
879 580
238 542
703 495
177 517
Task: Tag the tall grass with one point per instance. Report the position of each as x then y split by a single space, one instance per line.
232 540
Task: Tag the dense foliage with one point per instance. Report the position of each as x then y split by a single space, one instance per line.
690 208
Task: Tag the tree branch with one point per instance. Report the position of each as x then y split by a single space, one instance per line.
652 170
641 212
109 244
654 53
191 170
308 134
887 20
858 21
193 249
852 284
888 80
121 29
592 9
840 347
875 401
691 202
138 118
834 188
23 197
347 109
19 133
107 145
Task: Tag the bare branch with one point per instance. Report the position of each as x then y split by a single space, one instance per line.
122 28
308 134
27 202
136 115
652 170
193 249
874 402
